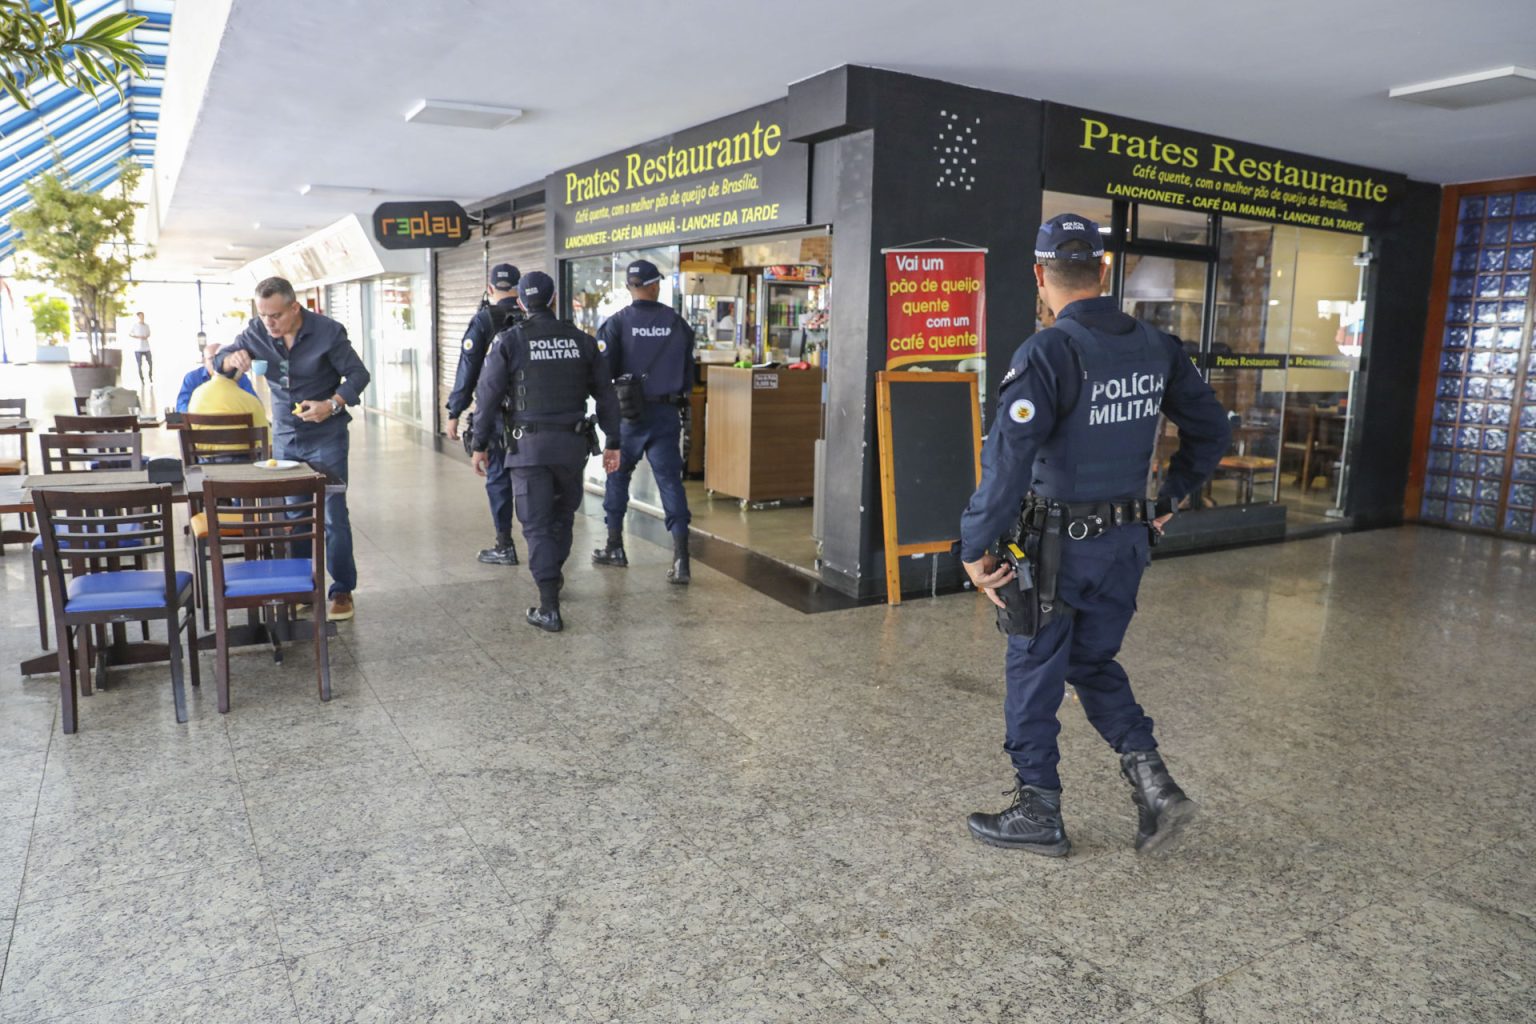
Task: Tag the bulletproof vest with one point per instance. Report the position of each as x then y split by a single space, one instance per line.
1101 449
501 319
552 384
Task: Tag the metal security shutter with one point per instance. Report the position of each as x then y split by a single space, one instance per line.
461 275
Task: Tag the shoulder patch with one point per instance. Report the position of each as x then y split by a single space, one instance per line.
602 346
469 344
1021 411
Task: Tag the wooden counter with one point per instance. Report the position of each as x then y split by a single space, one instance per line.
763 426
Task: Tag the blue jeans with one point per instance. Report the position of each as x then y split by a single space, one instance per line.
329 449
498 487
1099 578
657 436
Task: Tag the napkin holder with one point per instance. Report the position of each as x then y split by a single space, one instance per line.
165 471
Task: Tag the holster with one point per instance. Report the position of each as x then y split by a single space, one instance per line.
589 429
1033 548
631 392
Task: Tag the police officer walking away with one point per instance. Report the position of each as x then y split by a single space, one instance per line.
650 349
487 323
1072 442
549 367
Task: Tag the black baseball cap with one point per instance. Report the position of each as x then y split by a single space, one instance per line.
642 273
1069 227
536 288
504 276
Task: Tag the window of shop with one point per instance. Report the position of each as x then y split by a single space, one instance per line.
1274 316
398 345
1481 460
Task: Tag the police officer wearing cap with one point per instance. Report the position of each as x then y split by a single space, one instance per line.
1077 421
484 326
548 367
650 349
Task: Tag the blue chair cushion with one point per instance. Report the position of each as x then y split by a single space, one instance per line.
129 589
268 576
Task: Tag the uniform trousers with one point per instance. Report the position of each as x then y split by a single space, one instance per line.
546 497
656 436
1099 578
498 486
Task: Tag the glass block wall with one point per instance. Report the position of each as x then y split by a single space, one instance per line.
1482 454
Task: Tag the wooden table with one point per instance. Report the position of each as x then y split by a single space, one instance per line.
15 426
15 496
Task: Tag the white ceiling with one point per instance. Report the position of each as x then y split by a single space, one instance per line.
301 91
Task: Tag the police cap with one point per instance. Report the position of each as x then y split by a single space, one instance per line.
536 288
642 273
1069 227
504 276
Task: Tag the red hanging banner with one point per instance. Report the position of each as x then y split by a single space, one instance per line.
935 308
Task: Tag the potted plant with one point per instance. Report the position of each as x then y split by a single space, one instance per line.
78 241
50 322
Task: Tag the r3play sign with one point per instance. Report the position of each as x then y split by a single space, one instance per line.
427 224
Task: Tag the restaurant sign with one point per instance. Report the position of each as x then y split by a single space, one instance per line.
1104 155
735 176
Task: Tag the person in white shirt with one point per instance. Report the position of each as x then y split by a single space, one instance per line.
141 355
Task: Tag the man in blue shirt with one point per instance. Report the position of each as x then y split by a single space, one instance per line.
652 344
1073 439
314 374
200 376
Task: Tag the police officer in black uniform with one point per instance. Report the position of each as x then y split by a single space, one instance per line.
487 323
651 344
1077 420
548 367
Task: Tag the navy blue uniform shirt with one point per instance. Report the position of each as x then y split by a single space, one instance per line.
1045 374
477 342
320 364
649 334
501 368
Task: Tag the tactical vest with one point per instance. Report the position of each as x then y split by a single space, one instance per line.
1101 449
502 319
552 384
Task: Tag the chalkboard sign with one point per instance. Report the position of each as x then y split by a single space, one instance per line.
930 462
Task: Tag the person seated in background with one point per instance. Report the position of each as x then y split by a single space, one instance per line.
221 393
195 379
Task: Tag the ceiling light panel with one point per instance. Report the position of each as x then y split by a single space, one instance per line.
1478 89
462 115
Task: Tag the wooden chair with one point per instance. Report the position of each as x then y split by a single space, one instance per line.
216 419
96 424
203 445
16 407
66 453
89 533
266 518
82 403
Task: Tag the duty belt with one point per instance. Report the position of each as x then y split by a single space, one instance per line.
1088 519
519 429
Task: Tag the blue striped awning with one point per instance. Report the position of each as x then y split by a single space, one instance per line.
91 136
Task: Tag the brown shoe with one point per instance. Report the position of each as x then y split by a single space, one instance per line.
341 607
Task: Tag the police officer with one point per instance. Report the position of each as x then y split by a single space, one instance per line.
549 367
1076 425
484 326
651 344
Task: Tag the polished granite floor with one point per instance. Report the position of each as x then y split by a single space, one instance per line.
702 805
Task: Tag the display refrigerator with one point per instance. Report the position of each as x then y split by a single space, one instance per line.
785 296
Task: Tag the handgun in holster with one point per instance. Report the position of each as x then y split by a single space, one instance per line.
589 430
1019 613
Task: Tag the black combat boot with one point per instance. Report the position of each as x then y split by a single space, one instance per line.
1163 808
679 572
504 553
1031 822
547 615
613 554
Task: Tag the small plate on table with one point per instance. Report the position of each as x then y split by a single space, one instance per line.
276 464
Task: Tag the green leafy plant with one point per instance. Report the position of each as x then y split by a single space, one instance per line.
35 47
50 318
77 240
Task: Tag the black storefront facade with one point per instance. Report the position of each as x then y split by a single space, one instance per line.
867 159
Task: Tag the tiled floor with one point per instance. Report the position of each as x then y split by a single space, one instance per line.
701 805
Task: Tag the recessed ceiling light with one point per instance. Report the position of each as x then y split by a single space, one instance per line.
229 259
1478 89
462 115
335 190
